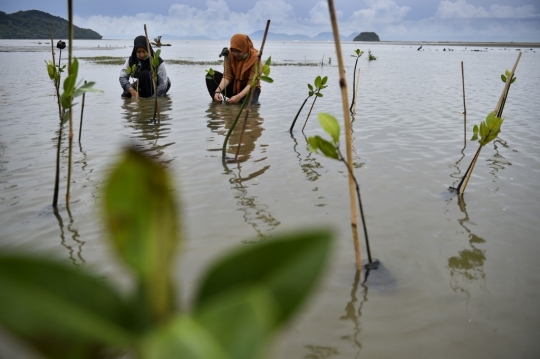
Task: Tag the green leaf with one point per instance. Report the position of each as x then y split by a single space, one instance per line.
318 82
318 94
268 61
61 310
87 87
289 266
503 78
182 338
330 125
513 79
267 79
142 219
475 133
266 70
323 82
241 320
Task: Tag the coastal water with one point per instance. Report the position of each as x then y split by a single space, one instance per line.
459 278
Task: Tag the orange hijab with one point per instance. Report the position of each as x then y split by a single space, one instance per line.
241 67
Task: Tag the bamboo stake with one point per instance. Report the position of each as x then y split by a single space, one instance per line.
344 97
252 91
70 133
82 111
154 80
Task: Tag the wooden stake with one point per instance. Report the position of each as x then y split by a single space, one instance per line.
154 80
464 106
348 137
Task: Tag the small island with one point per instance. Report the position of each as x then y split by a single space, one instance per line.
367 36
35 24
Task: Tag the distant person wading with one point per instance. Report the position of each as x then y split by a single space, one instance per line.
144 86
239 68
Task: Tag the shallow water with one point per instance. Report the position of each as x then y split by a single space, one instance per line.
458 278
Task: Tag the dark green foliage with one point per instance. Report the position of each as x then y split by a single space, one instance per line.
367 36
35 24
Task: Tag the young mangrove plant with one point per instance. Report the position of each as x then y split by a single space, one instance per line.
133 73
358 54
262 74
371 57
315 89
54 72
331 149
244 298
72 89
490 128
154 61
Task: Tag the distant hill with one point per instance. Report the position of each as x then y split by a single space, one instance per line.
367 36
34 24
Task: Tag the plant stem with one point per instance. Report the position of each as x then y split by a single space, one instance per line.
351 173
70 133
297 114
502 100
224 148
82 111
347 121
154 79
56 86
251 90
464 107
311 108
354 92
461 187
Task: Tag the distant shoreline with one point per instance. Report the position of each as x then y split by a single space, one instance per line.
458 43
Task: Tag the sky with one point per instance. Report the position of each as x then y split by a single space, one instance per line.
392 20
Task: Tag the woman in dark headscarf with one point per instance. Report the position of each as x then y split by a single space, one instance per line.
239 68
143 73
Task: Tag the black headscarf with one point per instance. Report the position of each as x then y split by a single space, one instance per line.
140 41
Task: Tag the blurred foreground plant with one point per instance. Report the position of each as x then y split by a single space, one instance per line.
243 299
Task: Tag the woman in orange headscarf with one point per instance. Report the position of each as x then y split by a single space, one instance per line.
239 69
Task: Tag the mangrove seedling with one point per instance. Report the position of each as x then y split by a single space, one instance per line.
210 75
54 72
133 73
315 89
371 57
490 128
154 61
331 149
358 54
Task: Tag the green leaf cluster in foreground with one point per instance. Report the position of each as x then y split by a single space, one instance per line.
241 301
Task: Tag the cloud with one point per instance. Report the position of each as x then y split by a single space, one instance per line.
453 20
462 10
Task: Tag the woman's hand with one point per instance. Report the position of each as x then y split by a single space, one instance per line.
133 93
235 99
218 97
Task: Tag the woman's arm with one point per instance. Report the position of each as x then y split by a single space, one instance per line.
162 80
124 77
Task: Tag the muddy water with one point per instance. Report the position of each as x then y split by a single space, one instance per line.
459 278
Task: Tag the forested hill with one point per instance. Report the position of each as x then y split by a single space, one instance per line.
35 24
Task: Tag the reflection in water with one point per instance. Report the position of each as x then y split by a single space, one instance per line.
221 118
75 254
457 174
497 162
353 312
139 114
468 266
309 164
317 352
